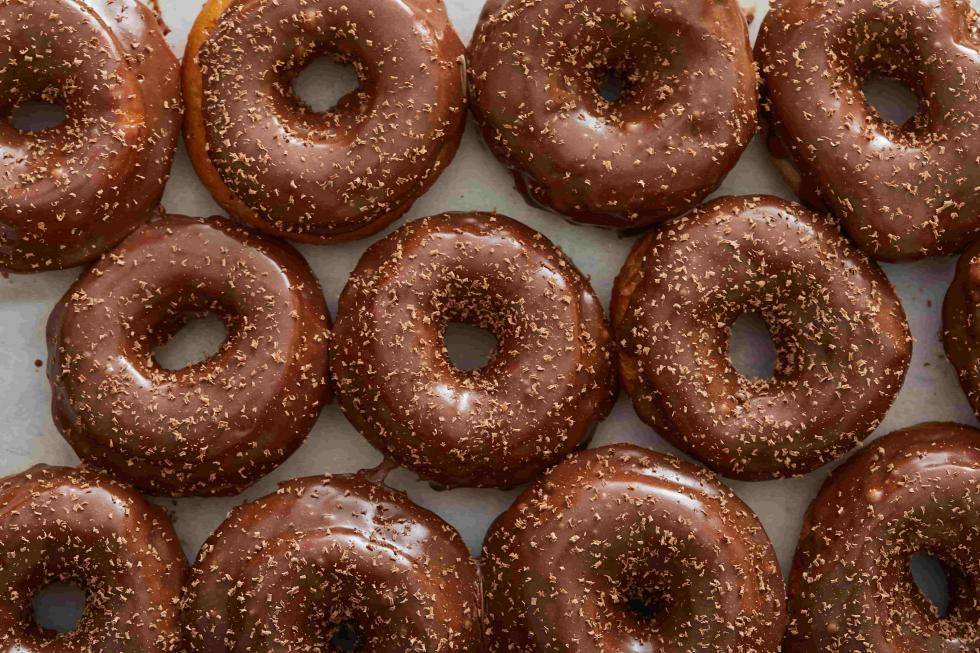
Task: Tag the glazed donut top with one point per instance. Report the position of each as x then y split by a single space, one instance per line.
905 191
78 526
331 558
851 589
215 426
685 112
69 193
548 383
345 173
842 341
624 549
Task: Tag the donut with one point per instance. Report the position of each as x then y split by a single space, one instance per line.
212 428
851 588
72 192
549 382
961 331
624 549
616 113
343 174
335 563
901 192
842 341
79 526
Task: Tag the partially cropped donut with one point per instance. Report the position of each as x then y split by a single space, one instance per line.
619 113
78 526
843 344
624 549
338 175
851 590
71 192
901 191
213 427
549 382
961 324
330 564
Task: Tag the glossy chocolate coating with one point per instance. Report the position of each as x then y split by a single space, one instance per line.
961 324
547 385
71 192
78 526
213 427
685 113
843 344
851 590
338 175
288 572
901 191
623 549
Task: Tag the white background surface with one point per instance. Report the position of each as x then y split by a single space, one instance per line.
474 181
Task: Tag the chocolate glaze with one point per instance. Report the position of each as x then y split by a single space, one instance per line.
79 526
624 549
69 193
213 427
686 111
322 555
901 191
851 589
322 177
843 344
961 323
547 385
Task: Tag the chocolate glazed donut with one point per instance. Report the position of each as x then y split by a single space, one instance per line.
851 589
78 526
71 192
547 385
901 191
961 324
331 564
624 549
271 161
619 113
843 345
216 426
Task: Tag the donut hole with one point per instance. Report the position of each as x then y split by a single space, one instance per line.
643 606
468 346
892 99
37 116
630 79
323 82
751 348
345 638
932 579
58 607
197 338
615 83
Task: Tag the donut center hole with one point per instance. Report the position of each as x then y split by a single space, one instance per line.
751 348
615 84
37 115
894 100
323 82
643 606
58 607
468 346
196 341
345 639
932 579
